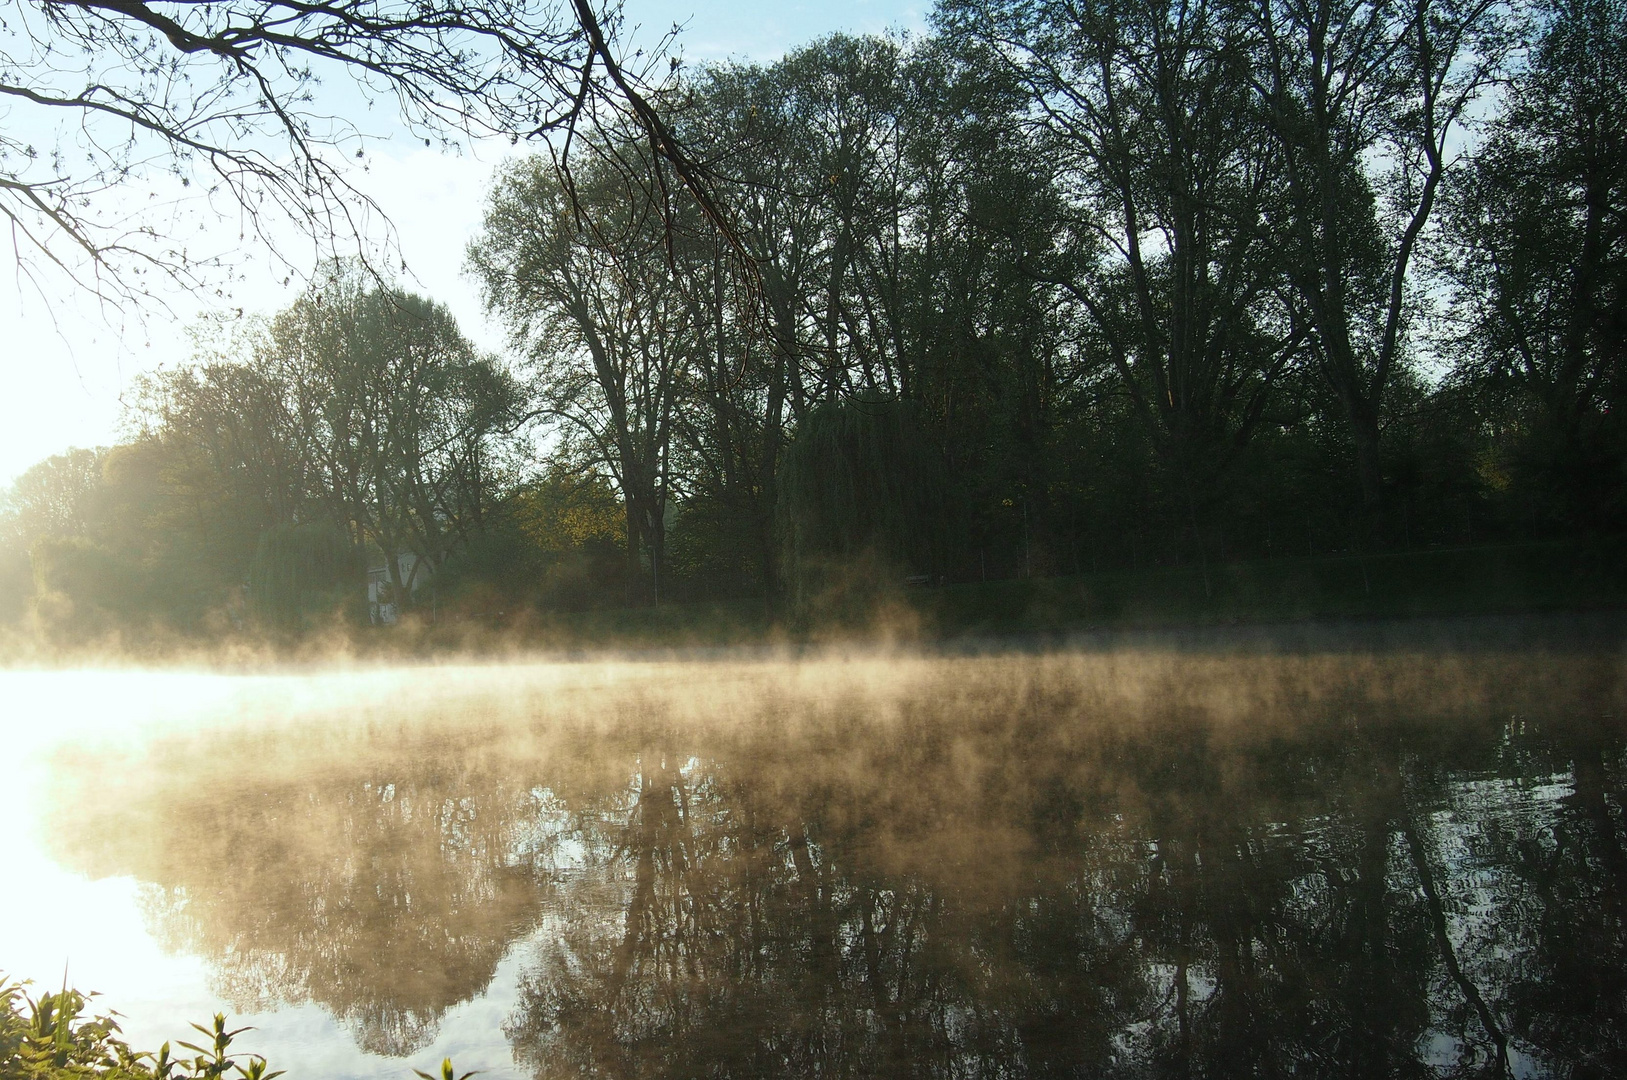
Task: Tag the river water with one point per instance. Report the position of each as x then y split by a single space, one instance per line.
1109 862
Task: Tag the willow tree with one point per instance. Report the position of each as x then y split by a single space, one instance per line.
300 571
861 494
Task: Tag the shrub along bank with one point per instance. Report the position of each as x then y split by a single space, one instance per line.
50 1037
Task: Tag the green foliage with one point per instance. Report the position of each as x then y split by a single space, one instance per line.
52 1038
715 549
52 503
562 510
82 588
447 1072
113 539
56 497
556 543
1537 256
359 415
16 583
46 1038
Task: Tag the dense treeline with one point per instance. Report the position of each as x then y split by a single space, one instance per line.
1055 288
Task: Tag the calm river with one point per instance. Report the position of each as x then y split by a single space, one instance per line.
1140 862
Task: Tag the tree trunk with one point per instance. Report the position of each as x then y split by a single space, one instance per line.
1369 467
1359 395
635 568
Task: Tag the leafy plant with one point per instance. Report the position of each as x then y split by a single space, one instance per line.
447 1072
51 1038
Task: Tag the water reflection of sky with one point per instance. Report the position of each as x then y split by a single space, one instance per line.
1121 864
101 930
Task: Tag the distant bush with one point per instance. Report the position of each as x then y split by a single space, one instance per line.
83 588
16 583
557 543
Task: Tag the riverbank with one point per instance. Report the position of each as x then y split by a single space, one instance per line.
1301 599
1448 583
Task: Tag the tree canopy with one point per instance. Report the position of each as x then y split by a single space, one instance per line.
1052 289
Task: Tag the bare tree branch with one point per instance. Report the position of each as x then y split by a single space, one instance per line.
123 114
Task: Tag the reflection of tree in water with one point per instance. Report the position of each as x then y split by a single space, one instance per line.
386 891
734 948
1555 918
997 870
1357 899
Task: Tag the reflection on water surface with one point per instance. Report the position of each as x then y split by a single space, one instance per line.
1109 865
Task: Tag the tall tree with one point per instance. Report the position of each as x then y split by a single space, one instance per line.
820 160
1538 261
1172 189
589 280
56 497
886 197
1364 99
233 441
403 414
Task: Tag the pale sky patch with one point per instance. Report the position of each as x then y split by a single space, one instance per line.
64 362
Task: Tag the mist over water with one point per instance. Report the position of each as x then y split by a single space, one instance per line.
1126 862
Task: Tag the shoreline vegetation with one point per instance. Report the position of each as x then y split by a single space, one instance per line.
52 1037
1257 599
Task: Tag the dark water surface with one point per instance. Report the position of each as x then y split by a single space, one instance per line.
1406 863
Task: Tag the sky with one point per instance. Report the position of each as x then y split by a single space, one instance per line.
65 361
